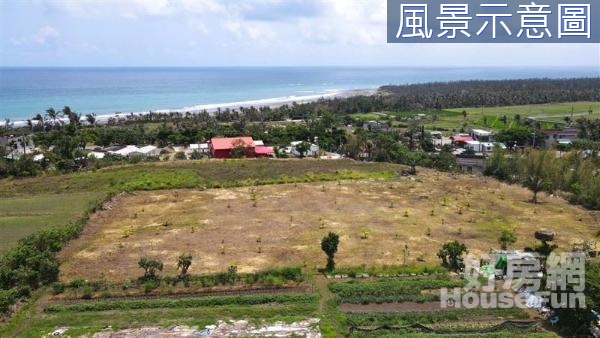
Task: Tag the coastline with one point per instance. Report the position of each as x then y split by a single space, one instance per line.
103 118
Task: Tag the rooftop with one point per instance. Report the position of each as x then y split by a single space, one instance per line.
482 132
263 150
231 142
462 138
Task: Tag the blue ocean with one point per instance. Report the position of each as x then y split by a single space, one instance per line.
27 91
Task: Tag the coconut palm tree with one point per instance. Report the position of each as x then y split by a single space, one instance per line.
91 119
52 116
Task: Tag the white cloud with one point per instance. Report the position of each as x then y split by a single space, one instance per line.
41 37
123 8
251 30
293 31
200 6
352 22
45 34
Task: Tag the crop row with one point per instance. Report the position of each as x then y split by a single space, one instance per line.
358 292
376 319
353 271
184 302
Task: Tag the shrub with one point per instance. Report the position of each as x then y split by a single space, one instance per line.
150 267
87 293
58 288
150 284
329 245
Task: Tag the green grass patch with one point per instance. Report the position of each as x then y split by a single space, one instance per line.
22 216
198 174
551 112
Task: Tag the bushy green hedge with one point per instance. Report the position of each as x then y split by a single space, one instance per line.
9 297
186 302
278 276
273 277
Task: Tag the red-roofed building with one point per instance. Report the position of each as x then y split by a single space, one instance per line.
221 147
460 140
263 151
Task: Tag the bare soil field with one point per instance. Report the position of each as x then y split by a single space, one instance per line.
381 222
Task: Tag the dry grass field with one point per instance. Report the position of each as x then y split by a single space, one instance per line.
261 227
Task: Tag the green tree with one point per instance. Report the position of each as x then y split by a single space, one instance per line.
232 274
578 320
183 263
412 159
302 148
180 155
329 245
238 150
451 255
150 267
537 171
544 249
506 238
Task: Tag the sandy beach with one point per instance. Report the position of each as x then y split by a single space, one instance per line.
103 118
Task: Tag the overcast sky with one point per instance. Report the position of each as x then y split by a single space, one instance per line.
239 33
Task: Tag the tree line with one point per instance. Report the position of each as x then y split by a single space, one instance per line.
575 173
441 95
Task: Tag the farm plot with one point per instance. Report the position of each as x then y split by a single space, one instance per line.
22 216
410 306
380 221
91 317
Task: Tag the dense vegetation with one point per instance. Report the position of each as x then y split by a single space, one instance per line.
575 173
458 94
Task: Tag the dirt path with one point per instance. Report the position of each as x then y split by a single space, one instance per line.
324 293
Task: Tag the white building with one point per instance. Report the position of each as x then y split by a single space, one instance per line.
20 151
96 154
150 151
482 135
199 147
483 147
313 149
126 151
